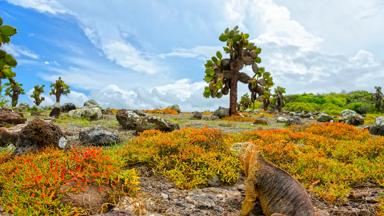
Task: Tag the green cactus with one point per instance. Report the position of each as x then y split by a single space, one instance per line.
222 74
36 94
59 88
279 98
14 90
378 98
7 62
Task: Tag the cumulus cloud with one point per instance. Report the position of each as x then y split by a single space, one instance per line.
127 56
274 20
187 94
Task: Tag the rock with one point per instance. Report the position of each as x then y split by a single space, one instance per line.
261 120
91 103
39 134
175 107
294 121
9 117
282 119
67 107
351 117
55 112
379 121
63 142
324 117
378 127
90 113
7 137
91 199
139 121
214 181
98 137
197 115
305 114
221 112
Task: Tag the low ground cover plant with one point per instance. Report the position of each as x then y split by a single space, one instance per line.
34 184
329 159
189 157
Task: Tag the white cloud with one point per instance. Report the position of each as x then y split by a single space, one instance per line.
18 51
45 6
189 95
125 55
196 52
273 21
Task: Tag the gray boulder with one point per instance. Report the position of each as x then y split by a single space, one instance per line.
68 107
139 121
91 103
294 121
221 112
351 117
197 115
261 121
98 137
90 113
378 127
324 117
282 119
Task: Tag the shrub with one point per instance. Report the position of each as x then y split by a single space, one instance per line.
188 157
162 111
361 107
32 184
329 158
331 109
301 106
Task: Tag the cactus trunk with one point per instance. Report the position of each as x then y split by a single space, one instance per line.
233 96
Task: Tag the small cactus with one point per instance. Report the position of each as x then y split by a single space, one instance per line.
36 94
59 88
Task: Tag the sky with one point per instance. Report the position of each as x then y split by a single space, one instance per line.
151 53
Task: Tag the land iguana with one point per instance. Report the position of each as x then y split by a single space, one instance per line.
278 192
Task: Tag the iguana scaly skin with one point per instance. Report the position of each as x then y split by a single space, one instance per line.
278 192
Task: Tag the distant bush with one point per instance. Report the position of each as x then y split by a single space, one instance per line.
361 107
163 111
331 109
301 106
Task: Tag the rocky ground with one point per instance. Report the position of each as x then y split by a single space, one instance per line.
158 196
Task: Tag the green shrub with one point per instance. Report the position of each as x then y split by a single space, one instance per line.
361 107
301 106
331 109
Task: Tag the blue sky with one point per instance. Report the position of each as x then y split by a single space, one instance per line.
150 53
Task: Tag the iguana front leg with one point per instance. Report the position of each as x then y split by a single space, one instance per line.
250 198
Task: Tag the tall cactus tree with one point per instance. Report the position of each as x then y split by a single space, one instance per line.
279 98
378 97
14 90
223 74
36 94
59 88
7 62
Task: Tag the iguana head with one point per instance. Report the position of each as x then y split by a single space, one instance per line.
244 151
